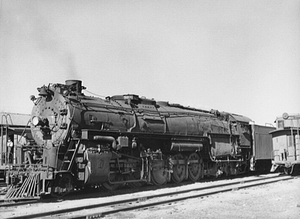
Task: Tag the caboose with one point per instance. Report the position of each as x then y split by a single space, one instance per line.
286 143
84 141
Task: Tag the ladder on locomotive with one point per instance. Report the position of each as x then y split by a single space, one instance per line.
70 155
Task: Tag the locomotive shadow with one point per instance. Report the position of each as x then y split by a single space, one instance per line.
101 192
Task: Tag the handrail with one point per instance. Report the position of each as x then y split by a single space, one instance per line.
6 124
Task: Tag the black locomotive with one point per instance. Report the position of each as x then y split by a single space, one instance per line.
84 141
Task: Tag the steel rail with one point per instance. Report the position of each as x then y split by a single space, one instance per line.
10 204
181 195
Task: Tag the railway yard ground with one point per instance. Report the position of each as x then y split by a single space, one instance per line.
274 200
280 200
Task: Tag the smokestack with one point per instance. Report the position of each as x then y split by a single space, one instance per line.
76 85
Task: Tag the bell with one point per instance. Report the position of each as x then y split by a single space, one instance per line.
43 92
32 98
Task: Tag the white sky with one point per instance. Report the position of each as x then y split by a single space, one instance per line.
240 56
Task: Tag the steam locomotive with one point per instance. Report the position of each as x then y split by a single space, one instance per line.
84 141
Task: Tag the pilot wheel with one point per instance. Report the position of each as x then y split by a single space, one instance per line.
63 185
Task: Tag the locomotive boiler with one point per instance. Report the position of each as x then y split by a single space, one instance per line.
84 141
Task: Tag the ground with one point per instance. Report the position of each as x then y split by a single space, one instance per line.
278 200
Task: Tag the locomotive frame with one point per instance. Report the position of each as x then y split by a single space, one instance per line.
84 141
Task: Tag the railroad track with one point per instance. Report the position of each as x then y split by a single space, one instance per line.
141 200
